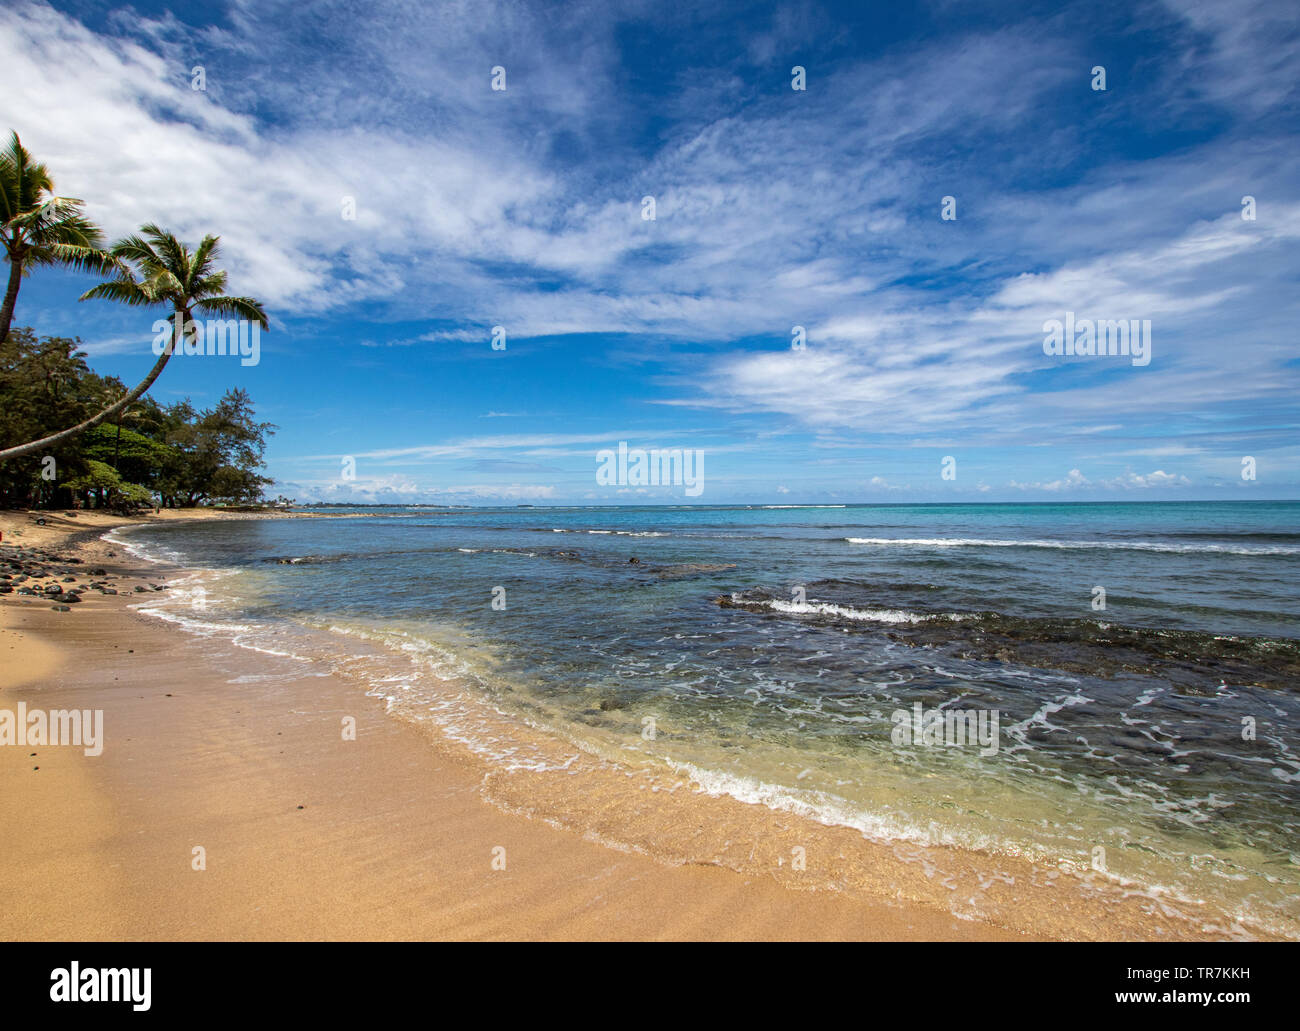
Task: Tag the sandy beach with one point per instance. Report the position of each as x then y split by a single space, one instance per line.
305 835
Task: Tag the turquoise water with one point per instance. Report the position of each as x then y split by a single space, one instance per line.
770 648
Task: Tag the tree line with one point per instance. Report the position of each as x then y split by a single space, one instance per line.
173 455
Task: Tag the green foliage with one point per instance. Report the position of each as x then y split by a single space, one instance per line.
221 452
181 455
133 454
135 494
108 488
97 476
38 228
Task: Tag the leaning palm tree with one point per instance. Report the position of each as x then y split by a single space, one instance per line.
155 268
38 228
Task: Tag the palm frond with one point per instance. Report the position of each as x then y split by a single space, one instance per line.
124 291
76 257
169 249
135 248
204 255
245 307
49 211
162 282
210 285
22 181
72 228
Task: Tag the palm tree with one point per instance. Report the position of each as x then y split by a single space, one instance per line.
38 228
156 268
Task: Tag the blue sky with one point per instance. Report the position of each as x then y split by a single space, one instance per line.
774 208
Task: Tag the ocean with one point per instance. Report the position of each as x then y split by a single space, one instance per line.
1128 674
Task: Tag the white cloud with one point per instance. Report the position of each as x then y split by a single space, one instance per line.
404 490
1073 479
1158 478
1076 480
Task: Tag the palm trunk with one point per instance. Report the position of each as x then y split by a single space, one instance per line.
182 317
11 295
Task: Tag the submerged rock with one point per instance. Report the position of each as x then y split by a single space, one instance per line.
685 569
1192 662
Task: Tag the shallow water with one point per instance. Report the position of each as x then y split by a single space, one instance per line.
765 652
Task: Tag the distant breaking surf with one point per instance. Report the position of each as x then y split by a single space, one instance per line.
976 542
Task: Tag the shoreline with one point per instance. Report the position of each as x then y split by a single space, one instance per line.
395 840
643 839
